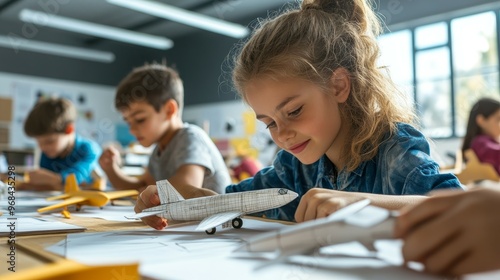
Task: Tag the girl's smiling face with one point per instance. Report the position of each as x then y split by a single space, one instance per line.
302 118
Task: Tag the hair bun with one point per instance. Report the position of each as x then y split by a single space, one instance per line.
358 12
343 8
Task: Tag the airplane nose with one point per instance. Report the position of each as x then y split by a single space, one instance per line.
291 195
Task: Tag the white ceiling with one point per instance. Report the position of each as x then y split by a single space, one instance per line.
102 12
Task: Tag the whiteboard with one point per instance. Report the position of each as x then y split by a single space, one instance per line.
94 103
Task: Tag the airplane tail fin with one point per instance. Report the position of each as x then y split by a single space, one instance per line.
71 184
99 181
167 192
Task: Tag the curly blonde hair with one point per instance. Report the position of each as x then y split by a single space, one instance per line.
314 41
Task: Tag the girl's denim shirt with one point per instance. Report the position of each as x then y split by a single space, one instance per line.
402 166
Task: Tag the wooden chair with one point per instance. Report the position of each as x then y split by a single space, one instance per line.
474 169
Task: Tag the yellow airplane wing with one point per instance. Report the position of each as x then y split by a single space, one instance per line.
58 197
66 202
119 194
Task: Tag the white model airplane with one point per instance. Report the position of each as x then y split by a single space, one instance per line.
212 211
356 222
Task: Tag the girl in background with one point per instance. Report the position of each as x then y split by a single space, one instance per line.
483 132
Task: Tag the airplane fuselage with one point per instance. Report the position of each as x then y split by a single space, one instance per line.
244 202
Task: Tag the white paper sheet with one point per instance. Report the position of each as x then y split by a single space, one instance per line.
32 226
179 253
108 212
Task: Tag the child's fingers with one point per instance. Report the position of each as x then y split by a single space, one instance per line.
146 199
447 254
421 212
301 209
307 209
310 211
155 222
471 263
329 206
427 237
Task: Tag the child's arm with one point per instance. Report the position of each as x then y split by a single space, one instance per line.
453 233
319 203
188 181
43 180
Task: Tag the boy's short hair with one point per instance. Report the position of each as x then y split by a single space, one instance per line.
50 115
151 83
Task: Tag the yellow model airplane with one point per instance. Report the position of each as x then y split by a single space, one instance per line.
74 196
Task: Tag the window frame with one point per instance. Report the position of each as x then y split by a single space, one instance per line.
452 77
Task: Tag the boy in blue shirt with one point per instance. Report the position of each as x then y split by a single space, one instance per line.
52 123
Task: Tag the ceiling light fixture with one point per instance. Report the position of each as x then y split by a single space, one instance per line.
55 49
184 17
93 29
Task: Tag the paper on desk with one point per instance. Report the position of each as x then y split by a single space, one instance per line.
108 212
25 206
32 226
27 202
221 266
146 246
169 253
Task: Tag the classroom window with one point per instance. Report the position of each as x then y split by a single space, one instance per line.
431 35
475 63
433 91
398 67
447 66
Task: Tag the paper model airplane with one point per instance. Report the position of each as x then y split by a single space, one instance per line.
356 222
212 211
74 196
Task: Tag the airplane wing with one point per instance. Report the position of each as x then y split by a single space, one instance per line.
66 202
58 197
118 194
144 214
217 220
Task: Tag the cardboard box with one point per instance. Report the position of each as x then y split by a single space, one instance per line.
5 109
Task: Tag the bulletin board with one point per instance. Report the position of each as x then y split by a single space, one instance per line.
94 103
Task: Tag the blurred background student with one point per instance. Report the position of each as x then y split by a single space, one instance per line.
52 123
483 132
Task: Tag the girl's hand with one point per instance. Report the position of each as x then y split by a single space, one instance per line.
319 203
149 198
453 233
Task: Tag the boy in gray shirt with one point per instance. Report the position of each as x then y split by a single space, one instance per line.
150 100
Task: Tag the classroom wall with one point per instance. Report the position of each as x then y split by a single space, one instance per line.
97 116
232 120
